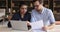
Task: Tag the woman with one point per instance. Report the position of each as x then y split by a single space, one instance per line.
22 15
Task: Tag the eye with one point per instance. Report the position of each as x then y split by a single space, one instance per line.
36 6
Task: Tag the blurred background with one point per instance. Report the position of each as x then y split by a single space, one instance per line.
9 7
12 6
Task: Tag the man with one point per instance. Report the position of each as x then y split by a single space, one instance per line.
22 15
41 13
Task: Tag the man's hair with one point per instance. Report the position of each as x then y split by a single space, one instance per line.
40 1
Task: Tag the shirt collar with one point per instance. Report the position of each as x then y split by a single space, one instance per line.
42 11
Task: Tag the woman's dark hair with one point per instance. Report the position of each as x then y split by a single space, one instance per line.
40 1
22 5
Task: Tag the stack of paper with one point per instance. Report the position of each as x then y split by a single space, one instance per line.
37 24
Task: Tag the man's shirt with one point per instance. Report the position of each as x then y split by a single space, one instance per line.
46 15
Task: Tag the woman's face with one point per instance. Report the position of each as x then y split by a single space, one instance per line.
23 9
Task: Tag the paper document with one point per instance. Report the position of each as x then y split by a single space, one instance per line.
37 24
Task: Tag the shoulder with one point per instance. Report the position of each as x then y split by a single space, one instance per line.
33 10
16 14
48 10
28 13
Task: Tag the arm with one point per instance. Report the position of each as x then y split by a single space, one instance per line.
32 18
51 26
48 27
52 21
9 17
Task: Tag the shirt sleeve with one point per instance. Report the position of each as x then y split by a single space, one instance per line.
32 17
29 17
51 17
15 17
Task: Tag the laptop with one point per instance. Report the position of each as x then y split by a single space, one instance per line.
19 25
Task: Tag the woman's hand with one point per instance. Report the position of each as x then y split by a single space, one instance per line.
9 17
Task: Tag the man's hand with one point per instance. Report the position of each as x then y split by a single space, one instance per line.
48 27
28 23
45 28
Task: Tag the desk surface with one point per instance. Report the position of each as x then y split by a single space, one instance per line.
6 29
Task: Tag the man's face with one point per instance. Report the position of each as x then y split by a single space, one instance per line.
23 9
37 5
